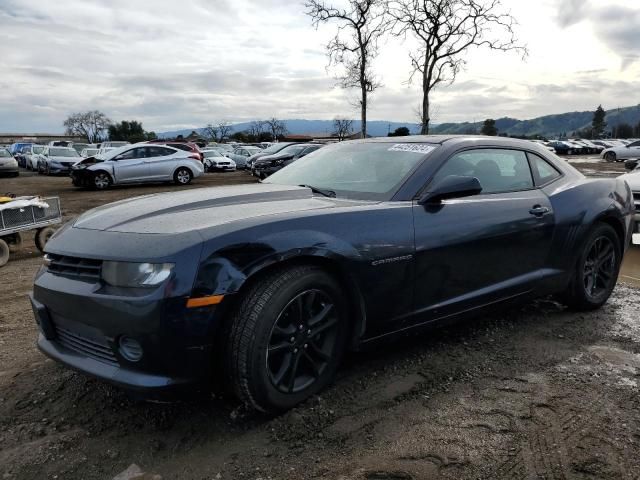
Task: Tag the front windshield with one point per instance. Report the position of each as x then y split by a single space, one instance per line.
4 153
359 170
63 152
275 148
292 150
38 149
212 153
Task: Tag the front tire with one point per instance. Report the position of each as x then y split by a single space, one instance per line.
286 338
610 157
596 271
101 181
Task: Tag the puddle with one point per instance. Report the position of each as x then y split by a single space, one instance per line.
630 272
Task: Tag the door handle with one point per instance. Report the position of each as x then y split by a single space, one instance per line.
539 210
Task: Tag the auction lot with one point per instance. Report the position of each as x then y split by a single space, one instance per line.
535 392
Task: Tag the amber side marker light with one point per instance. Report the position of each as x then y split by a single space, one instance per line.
204 301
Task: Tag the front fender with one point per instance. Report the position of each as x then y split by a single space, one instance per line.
224 271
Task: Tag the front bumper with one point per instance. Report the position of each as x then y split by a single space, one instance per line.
10 169
81 326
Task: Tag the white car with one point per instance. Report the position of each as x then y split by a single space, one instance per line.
137 163
633 180
621 153
89 152
108 146
545 145
215 161
31 156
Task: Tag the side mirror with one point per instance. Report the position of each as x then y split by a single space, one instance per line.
452 186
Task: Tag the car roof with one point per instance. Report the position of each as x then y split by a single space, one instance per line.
442 139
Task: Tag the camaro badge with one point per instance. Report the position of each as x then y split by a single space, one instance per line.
384 261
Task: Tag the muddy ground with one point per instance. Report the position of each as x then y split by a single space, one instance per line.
533 392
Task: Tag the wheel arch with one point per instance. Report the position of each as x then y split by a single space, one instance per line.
331 265
615 223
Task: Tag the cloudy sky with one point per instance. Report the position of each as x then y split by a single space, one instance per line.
178 64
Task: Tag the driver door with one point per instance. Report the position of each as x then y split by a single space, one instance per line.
130 166
481 249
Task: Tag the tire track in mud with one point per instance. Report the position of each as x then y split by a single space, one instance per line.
549 433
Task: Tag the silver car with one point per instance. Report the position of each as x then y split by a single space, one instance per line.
138 163
619 154
8 164
241 154
57 160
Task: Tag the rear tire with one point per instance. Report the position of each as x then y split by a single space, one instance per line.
596 270
42 237
4 253
14 241
286 338
183 176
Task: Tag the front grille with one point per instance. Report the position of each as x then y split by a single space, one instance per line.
73 267
98 349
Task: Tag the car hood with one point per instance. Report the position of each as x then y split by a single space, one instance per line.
633 179
199 209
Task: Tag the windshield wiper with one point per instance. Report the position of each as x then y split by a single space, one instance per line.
321 191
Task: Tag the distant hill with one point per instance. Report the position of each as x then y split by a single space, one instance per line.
547 126
375 128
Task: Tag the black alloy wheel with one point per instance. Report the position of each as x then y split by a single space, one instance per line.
285 337
596 270
301 341
599 267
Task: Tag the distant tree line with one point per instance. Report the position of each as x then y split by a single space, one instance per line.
94 126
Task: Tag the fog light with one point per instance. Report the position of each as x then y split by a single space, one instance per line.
130 349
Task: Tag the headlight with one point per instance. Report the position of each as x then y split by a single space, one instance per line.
128 274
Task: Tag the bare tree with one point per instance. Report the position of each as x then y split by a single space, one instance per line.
276 127
342 128
225 129
256 128
211 132
355 45
91 125
445 30
217 133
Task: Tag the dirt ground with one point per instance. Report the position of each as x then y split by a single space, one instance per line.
536 392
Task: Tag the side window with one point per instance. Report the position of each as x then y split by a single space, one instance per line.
542 170
131 154
159 151
498 170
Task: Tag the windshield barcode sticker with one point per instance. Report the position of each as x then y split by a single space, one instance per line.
412 147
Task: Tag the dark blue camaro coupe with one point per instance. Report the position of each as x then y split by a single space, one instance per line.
265 286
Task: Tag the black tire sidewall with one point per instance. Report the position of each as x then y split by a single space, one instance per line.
579 298
262 389
182 169
100 187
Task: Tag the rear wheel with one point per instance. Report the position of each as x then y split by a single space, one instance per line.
596 271
14 241
286 338
610 157
101 180
4 253
183 176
